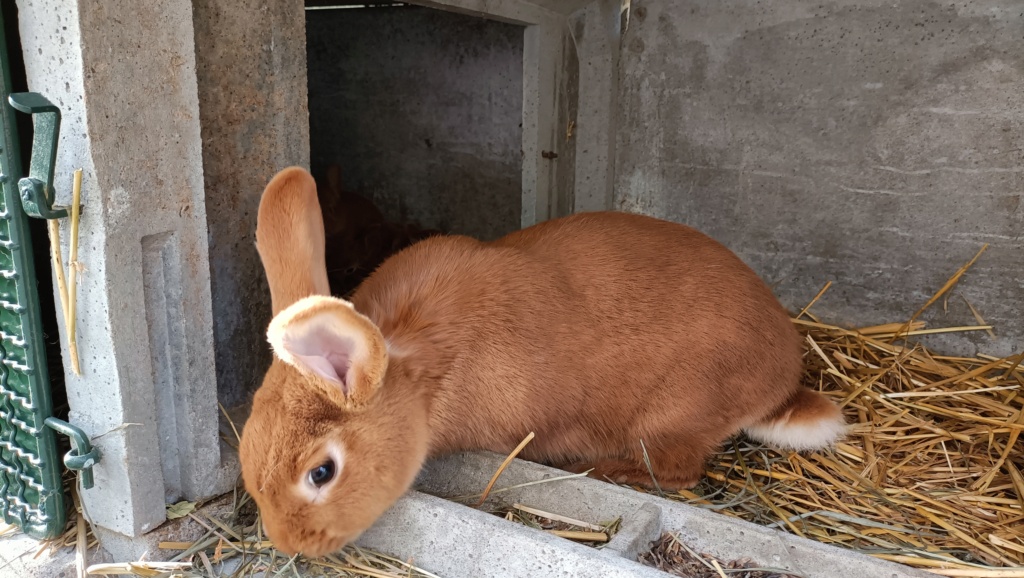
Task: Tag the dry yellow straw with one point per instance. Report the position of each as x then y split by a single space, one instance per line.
53 226
73 274
81 541
139 568
580 535
558 518
501 468
67 289
945 289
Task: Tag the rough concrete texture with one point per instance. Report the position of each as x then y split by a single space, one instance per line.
18 559
543 41
594 501
144 303
565 166
874 144
595 34
422 109
251 70
459 542
564 6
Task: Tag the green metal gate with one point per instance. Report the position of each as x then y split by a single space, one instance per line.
31 491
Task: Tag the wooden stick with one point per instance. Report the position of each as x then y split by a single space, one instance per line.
72 289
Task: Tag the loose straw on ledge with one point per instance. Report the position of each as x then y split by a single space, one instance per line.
483 497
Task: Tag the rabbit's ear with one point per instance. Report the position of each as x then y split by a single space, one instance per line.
290 238
336 347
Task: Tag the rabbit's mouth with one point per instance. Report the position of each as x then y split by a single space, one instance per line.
330 545
310 543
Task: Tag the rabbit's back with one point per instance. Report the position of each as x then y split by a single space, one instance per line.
593 329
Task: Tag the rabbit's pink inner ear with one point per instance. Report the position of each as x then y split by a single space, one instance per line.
325 353
331 367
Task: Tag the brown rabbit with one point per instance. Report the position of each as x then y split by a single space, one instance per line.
595 331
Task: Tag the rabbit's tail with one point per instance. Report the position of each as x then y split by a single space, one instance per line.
807 421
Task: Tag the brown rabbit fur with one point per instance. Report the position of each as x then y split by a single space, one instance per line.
594 331
358 237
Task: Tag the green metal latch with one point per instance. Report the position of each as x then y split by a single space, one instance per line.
82 456
37 188
31 490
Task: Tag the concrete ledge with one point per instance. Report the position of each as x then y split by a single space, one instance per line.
455 540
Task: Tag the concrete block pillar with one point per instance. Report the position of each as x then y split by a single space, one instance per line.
124 76
251 66
597 32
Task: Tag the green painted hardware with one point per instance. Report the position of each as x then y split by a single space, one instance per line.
31 489
83 456
37 188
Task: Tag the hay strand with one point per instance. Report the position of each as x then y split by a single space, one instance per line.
580 535
562 526
501 468
945 289
72 304
81 531
53 229
558 518
138 568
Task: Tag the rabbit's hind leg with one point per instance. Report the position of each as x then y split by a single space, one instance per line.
671 468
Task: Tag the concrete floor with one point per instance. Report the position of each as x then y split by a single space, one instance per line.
18 559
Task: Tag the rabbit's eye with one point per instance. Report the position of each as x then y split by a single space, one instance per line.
322 474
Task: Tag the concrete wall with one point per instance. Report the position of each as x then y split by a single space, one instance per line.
874 144
251 70
596 34
423 111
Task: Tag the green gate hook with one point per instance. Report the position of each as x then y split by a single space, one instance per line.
82 456
36 189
